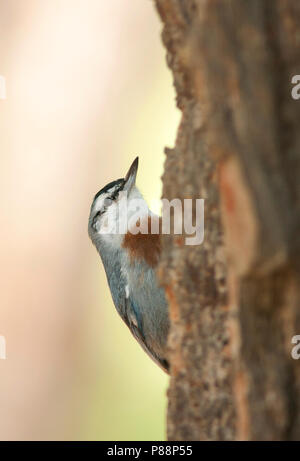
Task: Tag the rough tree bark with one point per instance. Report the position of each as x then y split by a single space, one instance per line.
238 146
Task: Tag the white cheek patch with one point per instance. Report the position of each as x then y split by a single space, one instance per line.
106 223
109 220
99 203
127 291
96 226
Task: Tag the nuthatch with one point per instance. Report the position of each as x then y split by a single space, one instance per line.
129 260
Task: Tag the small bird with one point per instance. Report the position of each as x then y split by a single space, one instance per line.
129 259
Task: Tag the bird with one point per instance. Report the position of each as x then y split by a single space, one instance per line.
130 258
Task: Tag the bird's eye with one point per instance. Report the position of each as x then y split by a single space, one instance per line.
108 201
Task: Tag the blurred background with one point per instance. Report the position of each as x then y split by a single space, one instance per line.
87 90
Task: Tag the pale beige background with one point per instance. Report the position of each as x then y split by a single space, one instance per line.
87 90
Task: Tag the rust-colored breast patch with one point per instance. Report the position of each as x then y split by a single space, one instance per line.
145 247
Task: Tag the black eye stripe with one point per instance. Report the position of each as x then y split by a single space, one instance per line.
103 209
94 222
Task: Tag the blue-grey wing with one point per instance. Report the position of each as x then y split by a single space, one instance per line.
134 321
141 304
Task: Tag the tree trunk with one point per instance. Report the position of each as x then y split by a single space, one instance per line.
234 299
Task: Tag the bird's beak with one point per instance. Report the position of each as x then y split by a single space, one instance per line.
129 180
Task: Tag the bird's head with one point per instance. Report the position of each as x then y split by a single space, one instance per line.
112 207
